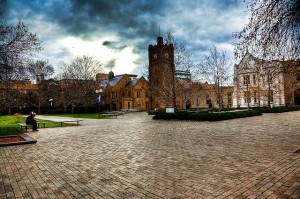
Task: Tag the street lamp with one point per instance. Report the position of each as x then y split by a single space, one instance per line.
98 98
51 101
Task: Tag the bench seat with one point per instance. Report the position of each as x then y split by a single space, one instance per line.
43 124
110 115
22 125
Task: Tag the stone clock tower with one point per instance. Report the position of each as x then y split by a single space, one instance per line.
161 74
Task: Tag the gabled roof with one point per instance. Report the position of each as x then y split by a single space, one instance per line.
103 83
114 81
245 61
132 82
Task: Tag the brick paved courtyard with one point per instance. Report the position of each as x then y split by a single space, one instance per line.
137 157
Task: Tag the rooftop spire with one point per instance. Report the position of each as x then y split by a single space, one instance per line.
159 30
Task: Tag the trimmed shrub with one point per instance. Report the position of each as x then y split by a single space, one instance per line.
278 109
206 116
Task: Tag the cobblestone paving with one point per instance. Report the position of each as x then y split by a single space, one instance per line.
137 157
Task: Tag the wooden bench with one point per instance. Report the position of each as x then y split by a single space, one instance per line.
42 123
110 115
69 121
39 124
26 126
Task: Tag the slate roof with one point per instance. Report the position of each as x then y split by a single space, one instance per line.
103 83
132 82
114 81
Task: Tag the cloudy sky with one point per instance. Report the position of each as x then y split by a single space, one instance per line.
119 31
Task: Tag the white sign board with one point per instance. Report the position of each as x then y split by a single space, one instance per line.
169 110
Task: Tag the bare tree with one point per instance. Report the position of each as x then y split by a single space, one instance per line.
182 58
17 45
40 70
12 83
79 81
272 80
215 68
273 31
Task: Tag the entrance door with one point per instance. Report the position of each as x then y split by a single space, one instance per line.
297 97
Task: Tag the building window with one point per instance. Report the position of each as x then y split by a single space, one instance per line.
229 96
128 105
138 94
255 96
271 96
247 98
298 77
114 95
129 94
246 79
254 79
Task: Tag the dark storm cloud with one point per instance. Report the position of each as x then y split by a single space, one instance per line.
111 64
127 18
114 45
132 24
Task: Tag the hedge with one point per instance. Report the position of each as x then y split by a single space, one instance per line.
206 116
278 109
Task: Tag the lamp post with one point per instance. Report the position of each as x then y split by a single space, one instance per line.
98 98
51 101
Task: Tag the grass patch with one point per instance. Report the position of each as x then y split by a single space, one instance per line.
9 124
78 115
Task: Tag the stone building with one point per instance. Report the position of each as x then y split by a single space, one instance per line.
202 95
170 87
291 77
165 87
126 92
259 83
161 74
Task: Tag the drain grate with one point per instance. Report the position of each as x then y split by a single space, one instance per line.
297 151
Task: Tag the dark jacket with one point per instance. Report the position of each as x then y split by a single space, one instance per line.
30 120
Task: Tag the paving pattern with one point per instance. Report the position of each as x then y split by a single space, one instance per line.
136 157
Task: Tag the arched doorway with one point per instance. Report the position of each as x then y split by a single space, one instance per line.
297 97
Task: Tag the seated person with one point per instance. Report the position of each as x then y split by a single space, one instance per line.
30 120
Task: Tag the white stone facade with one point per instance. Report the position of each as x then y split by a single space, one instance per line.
258 83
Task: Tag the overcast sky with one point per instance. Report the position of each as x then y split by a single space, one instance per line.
119 31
